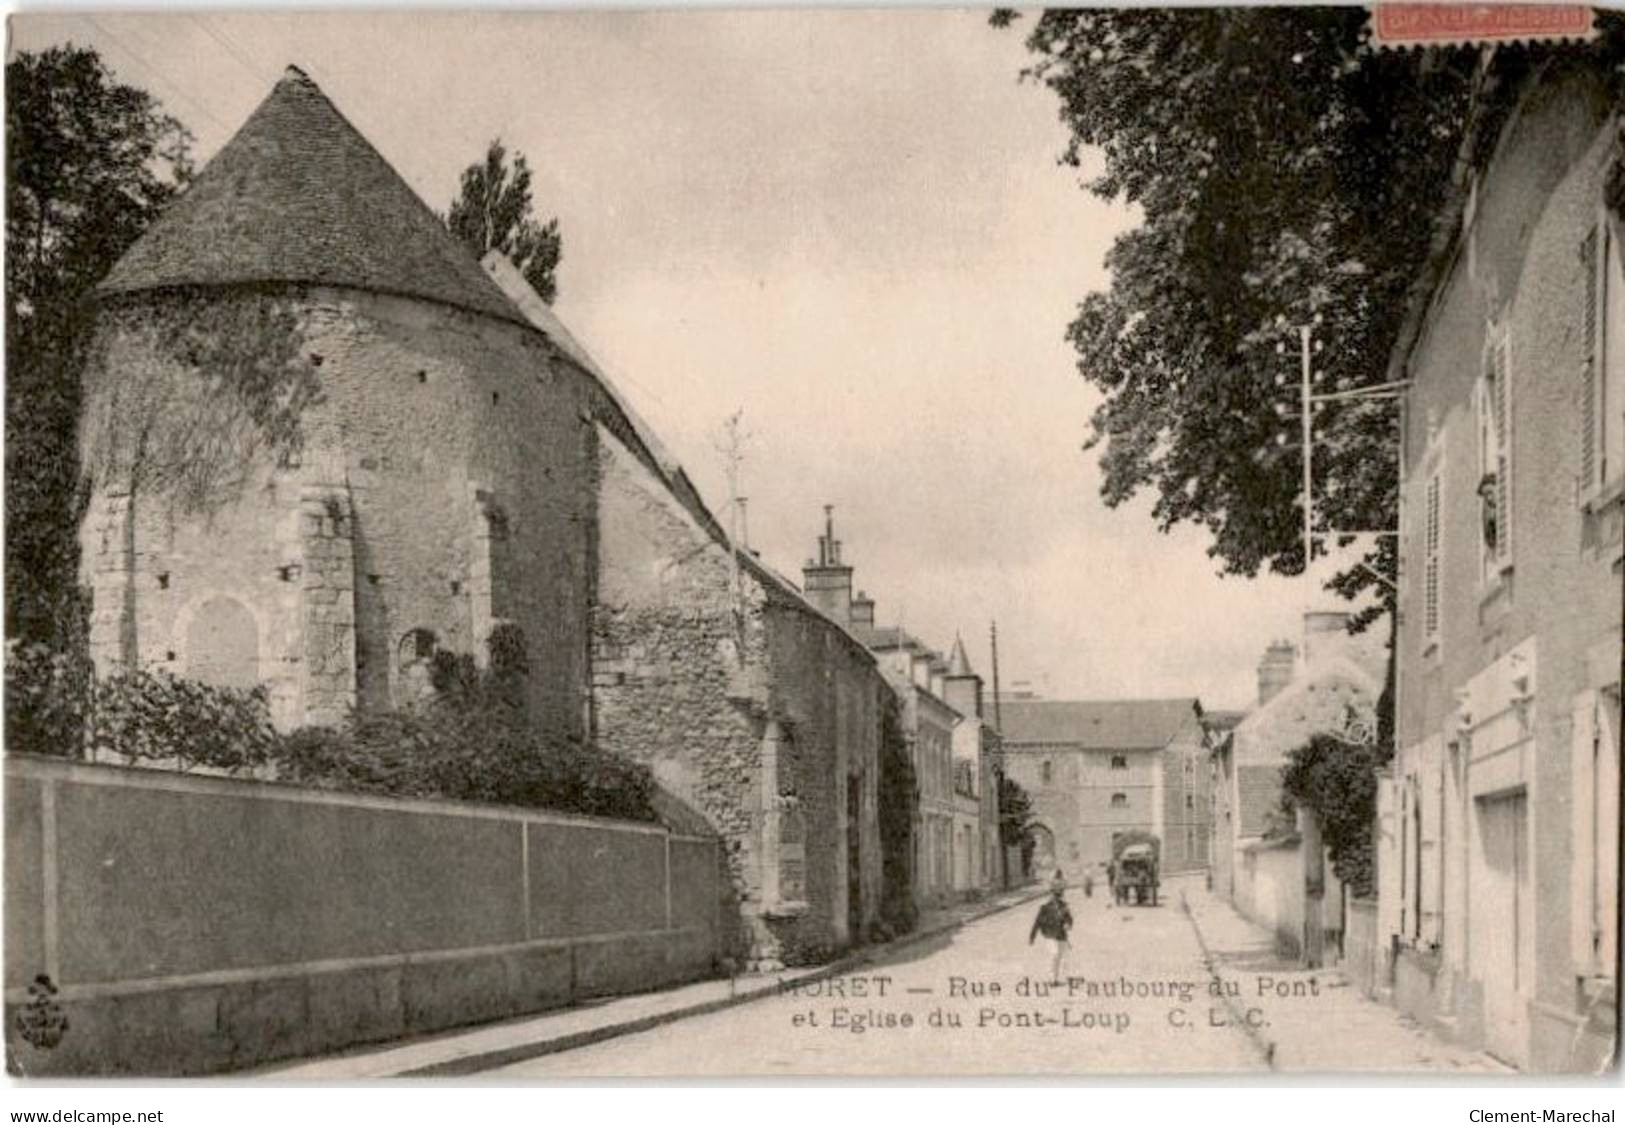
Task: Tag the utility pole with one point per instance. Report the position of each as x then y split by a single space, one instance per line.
1304 333
998 761
993 638
731 444
1308 399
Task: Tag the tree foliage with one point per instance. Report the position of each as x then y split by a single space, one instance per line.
493 212
1337 781
89 163
899 801
1015 816
1285 174
192 430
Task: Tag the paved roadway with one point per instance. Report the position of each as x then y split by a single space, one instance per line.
897 1016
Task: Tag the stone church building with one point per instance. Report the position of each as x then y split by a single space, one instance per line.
325 443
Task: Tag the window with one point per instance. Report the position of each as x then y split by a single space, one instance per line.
1495 493
1602 372
414 661
1119 761
1048 772
1119 800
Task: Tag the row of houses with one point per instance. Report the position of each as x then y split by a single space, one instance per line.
1497 843
463 464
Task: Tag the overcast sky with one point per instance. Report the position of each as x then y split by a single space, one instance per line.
852 225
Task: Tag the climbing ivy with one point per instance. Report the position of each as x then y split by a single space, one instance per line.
1337 781
222 384
899 799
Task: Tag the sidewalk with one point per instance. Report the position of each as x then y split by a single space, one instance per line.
1316 1022
561 1029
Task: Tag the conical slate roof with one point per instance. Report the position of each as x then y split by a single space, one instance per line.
298 195
958 662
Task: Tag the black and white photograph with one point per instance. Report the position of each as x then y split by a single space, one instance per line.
861 544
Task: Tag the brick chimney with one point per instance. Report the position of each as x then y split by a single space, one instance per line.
863 609
827 582
1275 670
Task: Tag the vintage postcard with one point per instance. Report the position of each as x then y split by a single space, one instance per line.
797 543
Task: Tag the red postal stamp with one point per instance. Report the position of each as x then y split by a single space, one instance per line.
1421 25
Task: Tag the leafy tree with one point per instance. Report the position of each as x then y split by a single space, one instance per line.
493 212
1286 173
1015 818
1337 781
89 163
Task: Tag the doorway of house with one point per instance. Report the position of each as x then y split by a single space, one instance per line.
854 858
1501 932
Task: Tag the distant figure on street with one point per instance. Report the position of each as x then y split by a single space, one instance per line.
1054 921
1111 884
1088 883
1058 882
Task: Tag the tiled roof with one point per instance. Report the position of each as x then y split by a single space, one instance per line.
298 195
1117 724
885 636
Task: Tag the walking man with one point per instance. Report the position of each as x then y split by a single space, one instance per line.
1054 921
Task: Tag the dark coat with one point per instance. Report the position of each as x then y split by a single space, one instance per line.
1053 921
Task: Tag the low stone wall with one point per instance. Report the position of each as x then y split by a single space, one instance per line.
198 924
1269 891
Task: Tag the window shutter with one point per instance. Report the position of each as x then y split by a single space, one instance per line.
1430 572
1589 266
1502 406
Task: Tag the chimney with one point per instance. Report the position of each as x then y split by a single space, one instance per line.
863 609
826 582
1275 670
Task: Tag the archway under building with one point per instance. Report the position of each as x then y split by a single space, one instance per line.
1043 861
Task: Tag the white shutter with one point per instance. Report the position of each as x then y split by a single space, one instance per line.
1430 557
1593 253
1501 387
1607 833
1431 796
1595 822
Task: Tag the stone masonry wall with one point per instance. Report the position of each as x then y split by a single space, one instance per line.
429 418
751 719
672 685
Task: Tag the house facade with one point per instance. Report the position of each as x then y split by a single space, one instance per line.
1100 768
950 744
1498 879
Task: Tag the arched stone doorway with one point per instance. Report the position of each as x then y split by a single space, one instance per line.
1043 861
223 644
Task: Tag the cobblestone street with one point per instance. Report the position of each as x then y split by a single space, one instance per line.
1171 1023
